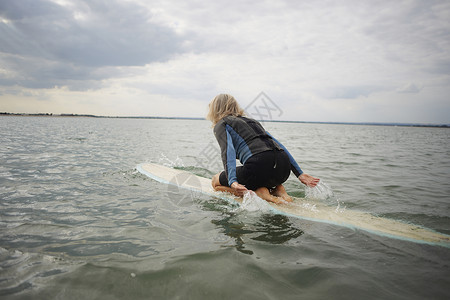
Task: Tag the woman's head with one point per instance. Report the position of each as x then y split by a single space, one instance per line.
221 106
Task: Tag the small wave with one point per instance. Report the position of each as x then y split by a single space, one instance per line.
23 271
78 139
178 163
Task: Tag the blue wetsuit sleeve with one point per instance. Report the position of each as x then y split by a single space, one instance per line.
294 166
228 152
231 160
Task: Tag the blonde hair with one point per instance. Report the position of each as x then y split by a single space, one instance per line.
221 106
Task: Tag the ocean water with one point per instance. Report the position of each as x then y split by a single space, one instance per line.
77 221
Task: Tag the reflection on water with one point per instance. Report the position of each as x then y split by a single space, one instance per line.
242 225
273 229
276 229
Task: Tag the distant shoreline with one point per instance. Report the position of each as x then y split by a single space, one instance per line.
187 118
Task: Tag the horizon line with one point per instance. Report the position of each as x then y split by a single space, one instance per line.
410 124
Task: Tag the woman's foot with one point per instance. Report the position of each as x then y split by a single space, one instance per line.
264 193
215 182
279 191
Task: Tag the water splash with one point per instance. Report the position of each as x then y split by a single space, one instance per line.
252 203
309 206
165 161
324 193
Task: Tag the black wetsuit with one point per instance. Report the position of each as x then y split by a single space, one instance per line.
266 162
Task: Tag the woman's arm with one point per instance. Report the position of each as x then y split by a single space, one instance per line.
303 177
227 150
294 165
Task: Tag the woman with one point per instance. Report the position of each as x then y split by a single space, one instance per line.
266 162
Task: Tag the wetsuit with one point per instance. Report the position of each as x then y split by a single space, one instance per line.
266 162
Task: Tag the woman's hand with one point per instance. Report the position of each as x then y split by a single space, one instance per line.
239 189
308 180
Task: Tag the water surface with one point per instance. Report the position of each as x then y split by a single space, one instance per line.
77 219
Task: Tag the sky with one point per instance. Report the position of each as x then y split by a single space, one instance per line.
326 61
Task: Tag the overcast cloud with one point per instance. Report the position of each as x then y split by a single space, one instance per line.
355 61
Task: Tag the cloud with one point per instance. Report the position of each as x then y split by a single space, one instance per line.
409 31
319 60
50 44
410 88
349 92
32 72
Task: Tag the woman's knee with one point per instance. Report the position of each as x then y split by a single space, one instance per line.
215 180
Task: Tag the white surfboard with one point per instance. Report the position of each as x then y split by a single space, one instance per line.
304 209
